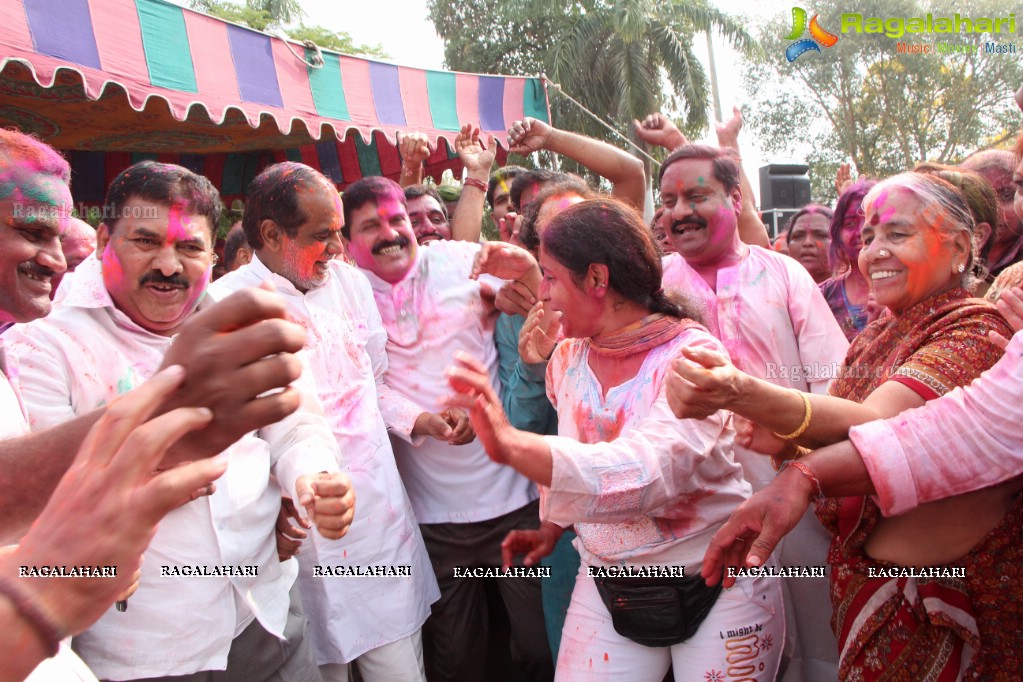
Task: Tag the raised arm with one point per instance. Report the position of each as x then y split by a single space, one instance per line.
624 170
414 149
703 382
751 228
658 130
467 221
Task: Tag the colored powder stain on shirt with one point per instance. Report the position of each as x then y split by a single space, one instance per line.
605 657
124 385
597 424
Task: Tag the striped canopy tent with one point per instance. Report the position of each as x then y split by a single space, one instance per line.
112 82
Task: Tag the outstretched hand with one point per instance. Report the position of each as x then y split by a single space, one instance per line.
728 132
473 155
701 383
236 353
843 178
757 526
539 334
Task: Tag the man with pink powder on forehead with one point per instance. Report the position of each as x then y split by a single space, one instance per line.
465 504
111 333
776 325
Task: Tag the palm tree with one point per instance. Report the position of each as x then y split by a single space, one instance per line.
617 56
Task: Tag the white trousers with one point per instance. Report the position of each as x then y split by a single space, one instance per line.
400 661
741 639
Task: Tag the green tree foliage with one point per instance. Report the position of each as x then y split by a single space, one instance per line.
863 101
617 57
264 15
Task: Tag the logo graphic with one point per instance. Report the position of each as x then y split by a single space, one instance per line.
818 36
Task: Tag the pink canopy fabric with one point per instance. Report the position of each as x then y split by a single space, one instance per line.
193 83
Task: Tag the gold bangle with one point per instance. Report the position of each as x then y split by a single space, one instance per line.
807 416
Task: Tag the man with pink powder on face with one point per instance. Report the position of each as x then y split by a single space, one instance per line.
767 311
465 503
110 334
293 220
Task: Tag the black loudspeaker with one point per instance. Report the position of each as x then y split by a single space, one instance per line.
784 186
777 219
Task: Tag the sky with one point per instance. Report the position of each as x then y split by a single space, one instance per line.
411 40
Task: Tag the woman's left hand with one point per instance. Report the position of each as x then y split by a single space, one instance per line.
473 391
701 383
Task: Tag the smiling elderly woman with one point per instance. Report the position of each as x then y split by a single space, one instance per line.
917 253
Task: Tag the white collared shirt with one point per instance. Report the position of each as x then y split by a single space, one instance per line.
775 323
13 417
432 313
79 358
346 358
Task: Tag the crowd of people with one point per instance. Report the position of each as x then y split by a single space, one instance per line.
373 445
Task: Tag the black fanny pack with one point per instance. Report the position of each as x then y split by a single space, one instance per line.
657 611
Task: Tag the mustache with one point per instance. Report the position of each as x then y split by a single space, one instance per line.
157 277
678 225
33 268
401 241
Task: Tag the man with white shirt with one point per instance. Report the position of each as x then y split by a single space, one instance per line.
111 332
768 312
293 222
465 503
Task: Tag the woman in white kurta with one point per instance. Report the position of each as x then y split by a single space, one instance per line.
642 488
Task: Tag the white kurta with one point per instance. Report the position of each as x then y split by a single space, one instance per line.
773 320
641 486
13 416
776 325
86 353
432 313
346 359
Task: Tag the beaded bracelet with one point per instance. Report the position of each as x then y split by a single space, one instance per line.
806 471
34 615
807 416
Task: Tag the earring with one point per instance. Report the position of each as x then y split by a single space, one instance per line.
960 268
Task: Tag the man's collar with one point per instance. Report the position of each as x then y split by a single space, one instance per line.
88 289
